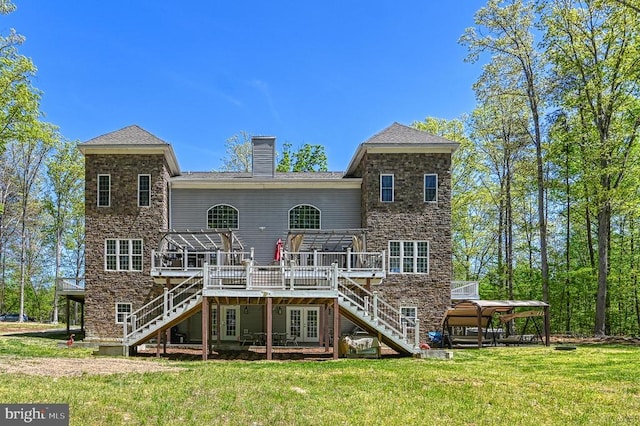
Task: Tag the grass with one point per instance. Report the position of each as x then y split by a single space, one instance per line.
594 385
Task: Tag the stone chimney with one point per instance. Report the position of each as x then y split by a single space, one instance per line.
263 156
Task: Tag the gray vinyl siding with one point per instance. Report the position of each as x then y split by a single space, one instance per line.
268 208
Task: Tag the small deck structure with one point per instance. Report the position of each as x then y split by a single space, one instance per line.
73 290
481 314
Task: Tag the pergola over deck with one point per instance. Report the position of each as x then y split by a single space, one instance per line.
479 313
335 240
200 240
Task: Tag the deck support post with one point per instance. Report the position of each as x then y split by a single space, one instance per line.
327 334
82 317
336 327
158 342
479 313
68 313
322 327
205 328
417 334
218 316
269 335
547 326
165 303
375 306
184 258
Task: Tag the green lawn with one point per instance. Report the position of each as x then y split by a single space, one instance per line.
497 386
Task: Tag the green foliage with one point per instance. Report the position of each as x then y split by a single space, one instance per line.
308 158
585 152
25 141
471 215
238 158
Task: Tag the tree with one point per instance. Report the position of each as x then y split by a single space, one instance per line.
308 158
17 104
21 128
628 4
8 219
471 227
238 158
65 170
594 49
237 153
28 153
509 39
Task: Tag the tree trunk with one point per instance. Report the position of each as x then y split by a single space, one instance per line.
509 231
567 248
634 274
604 223
23 254
542 220
500 245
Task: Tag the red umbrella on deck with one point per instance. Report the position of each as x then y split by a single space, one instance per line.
278 254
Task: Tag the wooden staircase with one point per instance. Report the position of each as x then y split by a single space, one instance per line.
163 312
377 317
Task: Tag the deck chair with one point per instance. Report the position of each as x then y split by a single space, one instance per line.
291 339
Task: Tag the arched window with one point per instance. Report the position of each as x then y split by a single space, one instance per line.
222 216
304 216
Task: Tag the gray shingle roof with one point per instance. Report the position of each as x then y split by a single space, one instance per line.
204 176
400 134
131 135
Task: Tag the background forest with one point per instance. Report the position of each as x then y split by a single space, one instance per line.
545 183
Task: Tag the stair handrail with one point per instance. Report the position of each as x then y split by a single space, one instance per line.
159 306
378 310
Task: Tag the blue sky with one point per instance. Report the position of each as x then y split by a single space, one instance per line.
194 73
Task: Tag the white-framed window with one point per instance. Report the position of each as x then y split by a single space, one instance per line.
222 216
304 216
409 257
144 190
122 310
104 190
122 255
408 315
386 188
430 188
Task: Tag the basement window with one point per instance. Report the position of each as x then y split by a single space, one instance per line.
122 310
408 315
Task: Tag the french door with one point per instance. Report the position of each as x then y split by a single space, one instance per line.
303 322
229 322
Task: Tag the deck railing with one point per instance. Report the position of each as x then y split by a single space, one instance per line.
462 290
346 260
190 260
193 259
252 277
380 311
70 285
160 307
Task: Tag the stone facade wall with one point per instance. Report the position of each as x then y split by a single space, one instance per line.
410 218
123 219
